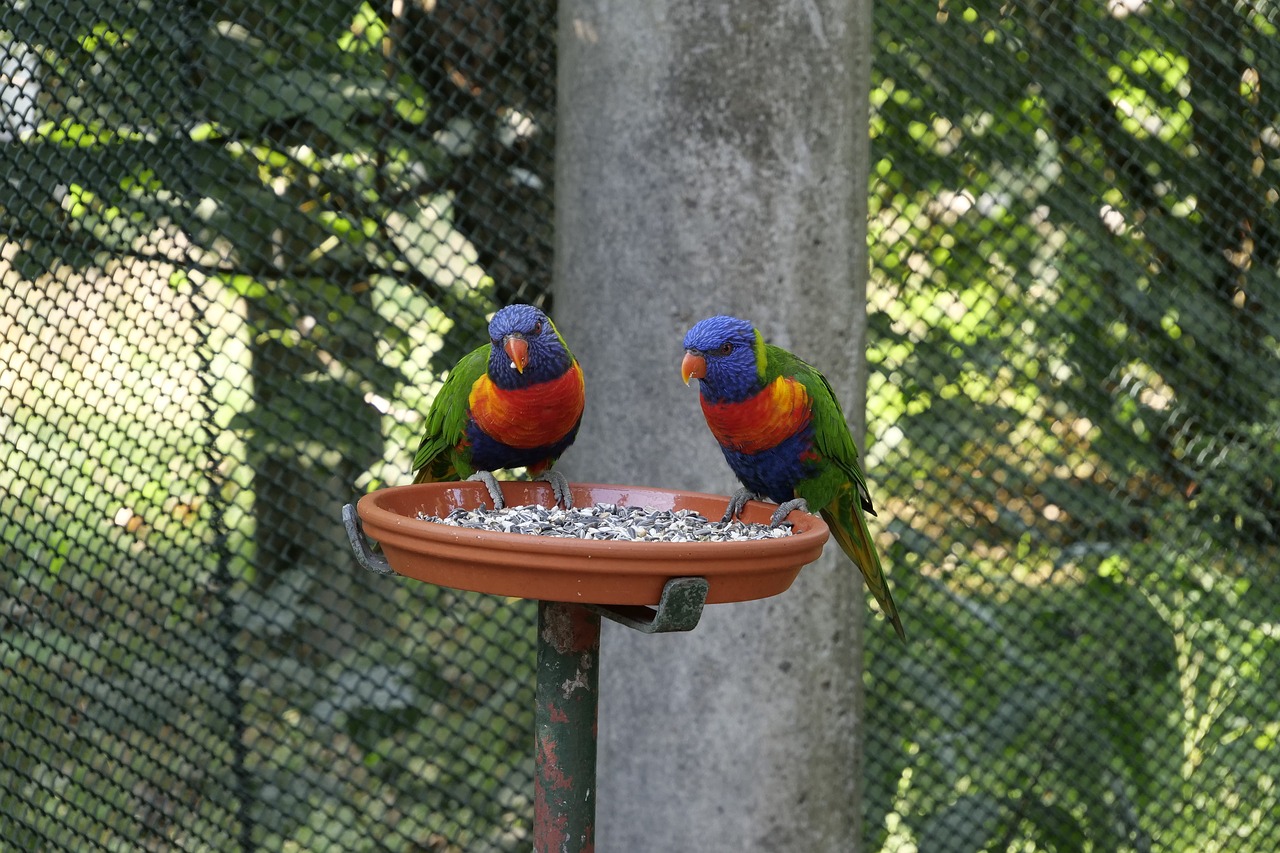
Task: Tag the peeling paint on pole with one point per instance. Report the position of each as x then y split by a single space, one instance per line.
568 696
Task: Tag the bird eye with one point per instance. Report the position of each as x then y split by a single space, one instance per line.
725 349
537 328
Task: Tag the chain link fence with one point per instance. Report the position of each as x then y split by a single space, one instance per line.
1076 427
241 241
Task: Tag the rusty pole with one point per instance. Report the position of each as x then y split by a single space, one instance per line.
568 695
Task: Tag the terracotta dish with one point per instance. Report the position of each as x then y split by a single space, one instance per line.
580 570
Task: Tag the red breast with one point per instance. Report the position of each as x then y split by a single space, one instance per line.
762 421
535 416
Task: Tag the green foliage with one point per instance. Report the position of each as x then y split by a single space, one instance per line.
258 239
243 241
1074 368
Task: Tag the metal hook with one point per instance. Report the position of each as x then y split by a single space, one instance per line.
679 609
375 563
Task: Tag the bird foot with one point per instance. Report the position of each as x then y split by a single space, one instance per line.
560 486
490 483
737 502
784 509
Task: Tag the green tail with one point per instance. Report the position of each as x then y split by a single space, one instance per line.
848 525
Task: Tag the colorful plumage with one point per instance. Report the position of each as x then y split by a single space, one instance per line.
515 402
784 435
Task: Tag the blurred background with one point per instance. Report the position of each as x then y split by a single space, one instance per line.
240 243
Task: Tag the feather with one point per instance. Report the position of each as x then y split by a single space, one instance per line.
490 414
782 431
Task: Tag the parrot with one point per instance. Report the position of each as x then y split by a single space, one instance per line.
783 433
515 402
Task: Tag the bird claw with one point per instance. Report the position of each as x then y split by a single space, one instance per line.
559 486
490 483
784 509
736 503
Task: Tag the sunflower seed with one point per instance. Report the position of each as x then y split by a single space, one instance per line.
609 522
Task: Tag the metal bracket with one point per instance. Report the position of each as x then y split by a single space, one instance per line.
365 556
679 609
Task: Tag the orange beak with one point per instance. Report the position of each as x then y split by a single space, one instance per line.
693 367
517 349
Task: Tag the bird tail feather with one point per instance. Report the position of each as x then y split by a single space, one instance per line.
849 527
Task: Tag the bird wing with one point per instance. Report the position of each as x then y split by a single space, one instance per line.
831 435
447 419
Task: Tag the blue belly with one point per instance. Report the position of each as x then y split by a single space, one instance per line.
775 472
489 454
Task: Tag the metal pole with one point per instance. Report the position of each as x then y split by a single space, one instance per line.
568 695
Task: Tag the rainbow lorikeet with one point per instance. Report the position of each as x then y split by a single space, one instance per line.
784 434
515 402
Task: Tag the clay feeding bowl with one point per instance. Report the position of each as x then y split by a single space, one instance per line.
575 570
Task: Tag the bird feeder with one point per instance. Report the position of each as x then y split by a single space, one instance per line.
648 586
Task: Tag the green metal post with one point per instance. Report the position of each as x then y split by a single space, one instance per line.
568 696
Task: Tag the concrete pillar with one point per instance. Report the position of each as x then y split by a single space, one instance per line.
712 157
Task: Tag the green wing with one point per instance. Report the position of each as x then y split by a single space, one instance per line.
831 435
436 460
839 491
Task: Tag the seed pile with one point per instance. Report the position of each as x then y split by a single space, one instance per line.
609 521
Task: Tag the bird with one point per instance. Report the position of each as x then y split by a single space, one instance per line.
515 402
783 433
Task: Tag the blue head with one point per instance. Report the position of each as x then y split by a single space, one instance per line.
527 349
721 353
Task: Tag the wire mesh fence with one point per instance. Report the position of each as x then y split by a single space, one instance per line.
242 241
1074 399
